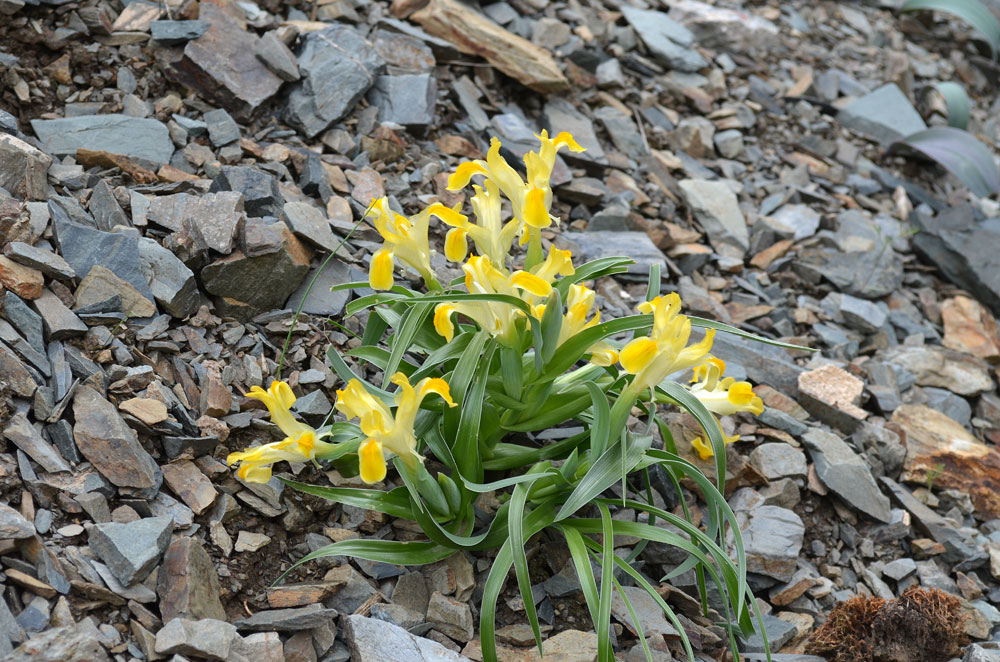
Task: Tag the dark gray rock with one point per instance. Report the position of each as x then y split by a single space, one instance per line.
287 620
173 33
12 525
20 432
936 526
764 364
607 243
23 168
321 301
779 460
668 41
884 114
406 99
311 224
222 128
987 652
16 375
845 473
277 57
778 632
205 639
623 131
173 285
561 115
131 550
772 539
60 322
869 274
27 322
105 209
862 315
337 66
261 194
72 643
146 139
45 261
946 402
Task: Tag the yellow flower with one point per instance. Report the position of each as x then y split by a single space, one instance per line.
405 239
579 304
299 445
497 318
705 450
664 351
531 200
723 396
385 432
490 234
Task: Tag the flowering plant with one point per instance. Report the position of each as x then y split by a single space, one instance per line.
482 365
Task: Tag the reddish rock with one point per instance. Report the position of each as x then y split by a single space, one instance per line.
23 281
969 328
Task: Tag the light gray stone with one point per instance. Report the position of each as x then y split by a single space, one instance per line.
22 433
131 550
884 114
406 99
311 224
13 525
222 128
845 473
772 539
277 57
173 285
206 638
778 460
23 168
715 207
668 41
373 640
146 139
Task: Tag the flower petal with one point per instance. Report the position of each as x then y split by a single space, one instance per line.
460 178
535 213
530 283
455 244
380 272
371 461
566 138
638 354
437 385
442 321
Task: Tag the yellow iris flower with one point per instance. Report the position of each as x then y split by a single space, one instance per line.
498 318
723 396
530 199
490 234
384 431
664 351
704 449
579 305
405 239
299 445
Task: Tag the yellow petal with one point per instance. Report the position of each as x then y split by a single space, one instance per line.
282 392
255 473
430 385
460 178
741 394
380 272
704 450
455 245
371 461
535 213
442 321
531 283
448 215
566 138
603 354
637 354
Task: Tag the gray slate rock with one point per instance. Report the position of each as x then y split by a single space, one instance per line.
277 57
22 433
884 114
13 525
563 116
206 638
27 322
406 99
311 224
779 460
23 168
373 640
72 643
609 243
764 364
287 620
845 473
932 365
45 261
954 406
337 66
172 33
172 283
778 632
60 322
870 274
715 207
321 301
261 194
802 220
222 128
981 653
772 540
131 550
936 526
668 41
146 139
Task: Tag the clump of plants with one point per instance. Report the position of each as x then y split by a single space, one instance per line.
921 625
473 369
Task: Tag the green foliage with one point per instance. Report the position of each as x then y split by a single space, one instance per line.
973 12
958 151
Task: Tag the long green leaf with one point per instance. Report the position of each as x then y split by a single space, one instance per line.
600 428
604 651
973 12
605 472
344 371
466 449
386 551
518 540
719 326
605 266
959 152
576 346
957 103
552 320
403 338
482 488
394 503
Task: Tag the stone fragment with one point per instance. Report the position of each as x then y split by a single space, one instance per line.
404 54
72 643
373 640
20 432
777 460
260 191
174 33
23 281
188 585
247 541
650 615
936 443
866 273
474 34
721 27
26 321
131 550
311 224
778 633
172 283
832 395
221 66
15 375
147 410
715 207
134 137
567 646
884 114
802 221
668 41
772 538
562 114
321 301
13 526
862 315
945 368
406 99
60 322
206 638
287 620
610 243
186 480
23 169
277 57
101 284
109 444
845 473
44 261
337 66
969 328
84 247
222 129
261 647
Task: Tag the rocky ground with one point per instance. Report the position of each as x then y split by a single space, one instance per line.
172 175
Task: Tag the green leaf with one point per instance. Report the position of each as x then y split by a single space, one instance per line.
957 102
491 593
385 551
719 326
379 357
377 325
394 503
600 428
604 651
576 346
510 456
708 423
352 285
458 297
445 353
973 12
403 338
604 473
466 449
959 152
482 488
552 320
512 372
370 300
605 266
553 410
653 288
344 371
518 540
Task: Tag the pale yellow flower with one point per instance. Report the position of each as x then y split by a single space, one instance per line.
579 305
405 239
531 199
723 396
495 317
300 444
664 351
491 236
384 431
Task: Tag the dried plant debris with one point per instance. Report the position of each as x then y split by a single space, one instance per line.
921 625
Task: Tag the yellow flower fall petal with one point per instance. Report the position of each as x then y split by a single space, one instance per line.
380 272
442 320
371 462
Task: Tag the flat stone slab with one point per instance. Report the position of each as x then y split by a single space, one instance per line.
138 138
885 114
845 473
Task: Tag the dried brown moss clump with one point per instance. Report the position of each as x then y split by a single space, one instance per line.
922 625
